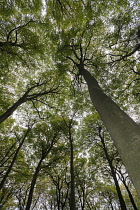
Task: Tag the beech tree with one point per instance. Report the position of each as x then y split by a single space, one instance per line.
58 58
120 126
124 180
69 124
123 130
121 199
46 145
14 154
96 135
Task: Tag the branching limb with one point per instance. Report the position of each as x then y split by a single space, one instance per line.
137 48
28 97
37 110
14 157
17 28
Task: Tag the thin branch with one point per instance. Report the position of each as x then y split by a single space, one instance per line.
45 103
9 150
128 85
135 72
71 60
137 48
42 118
76 55
17 28
87 48
36 95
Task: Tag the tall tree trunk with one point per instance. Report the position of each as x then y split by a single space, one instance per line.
130 196
13 160
30 196
35 176
123 130
128 191
10 167
10 111
26 97
121 200
58 193
72 192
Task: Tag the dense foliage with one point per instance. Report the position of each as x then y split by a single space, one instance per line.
55 151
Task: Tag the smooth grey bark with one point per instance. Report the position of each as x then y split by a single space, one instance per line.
123 130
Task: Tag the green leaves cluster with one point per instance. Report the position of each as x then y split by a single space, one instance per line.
40 44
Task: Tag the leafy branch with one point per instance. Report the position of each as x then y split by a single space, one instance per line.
9 42
29 97
123 57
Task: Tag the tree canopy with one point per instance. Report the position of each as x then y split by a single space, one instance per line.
67 67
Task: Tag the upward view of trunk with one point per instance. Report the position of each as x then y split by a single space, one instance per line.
123 130
13 160
113 173
128 191
10 111
33 182
26 97
11 165
72 193
130 196
36 173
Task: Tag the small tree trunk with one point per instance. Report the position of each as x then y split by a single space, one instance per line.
128 191
30 196
72 190
35 176
130 197
121 200
13 161
10 111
